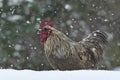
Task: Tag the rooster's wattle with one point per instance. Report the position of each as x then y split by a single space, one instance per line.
66 54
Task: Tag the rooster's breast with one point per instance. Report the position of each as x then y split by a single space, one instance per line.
71 62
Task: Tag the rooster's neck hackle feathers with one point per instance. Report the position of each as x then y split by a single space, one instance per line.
57 44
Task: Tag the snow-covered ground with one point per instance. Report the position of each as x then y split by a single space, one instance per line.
9 74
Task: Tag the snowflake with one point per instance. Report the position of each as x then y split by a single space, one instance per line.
28 22
68 7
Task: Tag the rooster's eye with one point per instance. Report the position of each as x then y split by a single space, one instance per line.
45 29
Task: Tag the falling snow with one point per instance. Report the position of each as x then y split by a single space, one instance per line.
71 26
38 19
27 58
28 22
9 46
90 19
118 43
68 7
11 65
18 47
14 18
94 34
13 11
105 20
42 64
112 14
68 22
16 54
93 5
17 31
67 33
35 48
93 49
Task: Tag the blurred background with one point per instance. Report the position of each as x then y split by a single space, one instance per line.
20 47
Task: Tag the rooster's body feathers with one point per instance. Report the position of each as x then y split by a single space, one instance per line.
66 54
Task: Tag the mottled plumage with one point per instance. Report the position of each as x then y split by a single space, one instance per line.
66 54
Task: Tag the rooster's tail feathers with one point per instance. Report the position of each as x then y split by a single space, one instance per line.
97 36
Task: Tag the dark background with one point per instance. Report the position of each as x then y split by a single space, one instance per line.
20 47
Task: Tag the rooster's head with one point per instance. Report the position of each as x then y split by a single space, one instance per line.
45 30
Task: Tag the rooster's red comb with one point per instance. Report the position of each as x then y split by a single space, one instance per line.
46 22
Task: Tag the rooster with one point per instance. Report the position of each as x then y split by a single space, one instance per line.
65 54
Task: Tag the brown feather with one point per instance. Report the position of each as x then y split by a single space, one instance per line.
66 54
